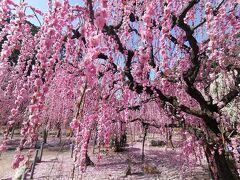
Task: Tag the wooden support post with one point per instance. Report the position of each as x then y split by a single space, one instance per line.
41 152
33 164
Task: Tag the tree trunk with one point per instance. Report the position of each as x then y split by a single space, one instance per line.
95 140
117 147
145 126
170 142
7 132
59 133
71 133
45 135
220 167
123 139
12 132
89 161
119 144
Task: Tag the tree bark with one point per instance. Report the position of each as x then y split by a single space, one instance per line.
12 132
145 126
45 135
119 144
59 133
170 142
89 161
95 140
220 167
7 132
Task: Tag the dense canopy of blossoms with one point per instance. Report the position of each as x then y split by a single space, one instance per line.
102 63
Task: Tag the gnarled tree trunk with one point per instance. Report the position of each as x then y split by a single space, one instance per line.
220 167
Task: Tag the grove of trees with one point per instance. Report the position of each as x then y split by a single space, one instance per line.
99 65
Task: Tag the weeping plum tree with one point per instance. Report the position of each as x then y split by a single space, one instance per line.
128 53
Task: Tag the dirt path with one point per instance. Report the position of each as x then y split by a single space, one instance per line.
57 165
5 165
112 166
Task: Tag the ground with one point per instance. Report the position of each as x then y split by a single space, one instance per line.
160 163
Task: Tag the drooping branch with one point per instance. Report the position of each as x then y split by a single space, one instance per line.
80 103
185 10
190 75
199 25
91 11
218 7
134 86
105 57
229 97
111 32
175 41
136 107
215 12
151 60
233 93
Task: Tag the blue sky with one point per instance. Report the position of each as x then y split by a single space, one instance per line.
40 4
43 6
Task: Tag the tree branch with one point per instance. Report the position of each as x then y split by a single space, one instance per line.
187 8
111 32
91 12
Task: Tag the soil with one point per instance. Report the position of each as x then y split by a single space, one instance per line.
160 163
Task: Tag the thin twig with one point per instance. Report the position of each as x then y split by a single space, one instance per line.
37 17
